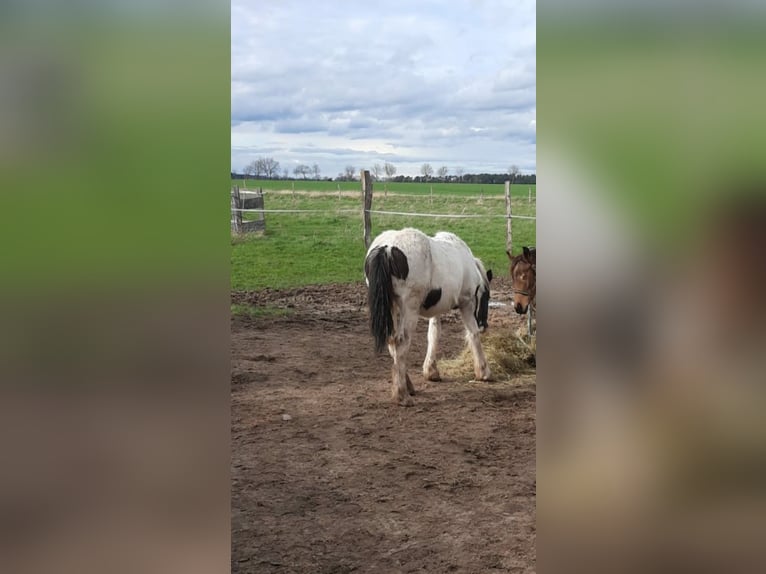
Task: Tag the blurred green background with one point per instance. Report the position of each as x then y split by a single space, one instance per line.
665 103
114 139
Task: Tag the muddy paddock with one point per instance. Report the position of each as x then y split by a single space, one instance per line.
330 476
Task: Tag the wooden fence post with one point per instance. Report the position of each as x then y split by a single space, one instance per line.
508 221
261 215
367 199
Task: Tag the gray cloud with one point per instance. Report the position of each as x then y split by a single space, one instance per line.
448 83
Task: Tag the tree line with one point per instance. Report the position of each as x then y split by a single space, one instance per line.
269 168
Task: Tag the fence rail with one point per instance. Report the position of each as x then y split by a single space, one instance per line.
242 205
379 212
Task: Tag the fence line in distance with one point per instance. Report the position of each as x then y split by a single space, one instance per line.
379 212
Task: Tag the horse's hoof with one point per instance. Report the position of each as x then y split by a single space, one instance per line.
433 377
405 401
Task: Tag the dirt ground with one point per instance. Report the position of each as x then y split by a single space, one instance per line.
330 476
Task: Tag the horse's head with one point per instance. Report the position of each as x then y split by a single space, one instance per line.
524 279
481 312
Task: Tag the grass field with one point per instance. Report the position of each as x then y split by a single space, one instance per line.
318 248
380 186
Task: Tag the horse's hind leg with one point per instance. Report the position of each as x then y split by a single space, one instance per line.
410 386
399 379
399 347
480 366
430 372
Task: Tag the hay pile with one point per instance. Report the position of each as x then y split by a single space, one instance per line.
508 355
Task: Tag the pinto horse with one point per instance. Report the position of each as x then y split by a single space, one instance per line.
524 284
410 275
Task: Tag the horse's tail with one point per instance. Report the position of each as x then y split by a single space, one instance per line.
380 296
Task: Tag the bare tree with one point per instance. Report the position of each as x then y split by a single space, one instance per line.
302 170
250 169
441 173
426 170
263 166
513 171
459 173
285 173
377 170
390 170
349 172
316 171
270 166
255 168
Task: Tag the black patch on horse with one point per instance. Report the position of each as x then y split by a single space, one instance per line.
432 298
398 262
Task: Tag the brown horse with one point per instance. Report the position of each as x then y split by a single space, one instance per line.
524 283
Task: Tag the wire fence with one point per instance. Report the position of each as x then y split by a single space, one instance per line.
366 210
381 212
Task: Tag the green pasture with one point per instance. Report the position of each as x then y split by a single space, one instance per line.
328 247
414 188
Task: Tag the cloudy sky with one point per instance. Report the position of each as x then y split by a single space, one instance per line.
339 82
